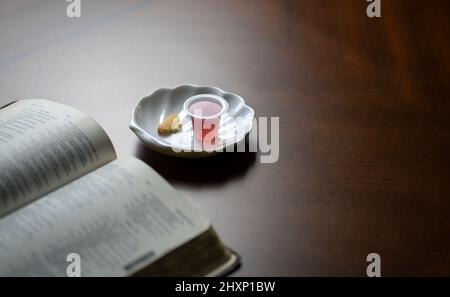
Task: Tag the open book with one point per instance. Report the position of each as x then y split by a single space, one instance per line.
64 191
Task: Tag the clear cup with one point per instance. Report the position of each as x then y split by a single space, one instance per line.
205 111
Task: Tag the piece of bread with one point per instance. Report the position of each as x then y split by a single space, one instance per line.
171 124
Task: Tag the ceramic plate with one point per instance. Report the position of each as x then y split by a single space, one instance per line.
150 111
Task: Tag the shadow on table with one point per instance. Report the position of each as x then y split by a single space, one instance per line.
216 169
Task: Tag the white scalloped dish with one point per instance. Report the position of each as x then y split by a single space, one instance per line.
150 112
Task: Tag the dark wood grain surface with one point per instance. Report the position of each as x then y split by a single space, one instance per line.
363 104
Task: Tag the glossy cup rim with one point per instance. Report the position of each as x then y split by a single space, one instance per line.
214 98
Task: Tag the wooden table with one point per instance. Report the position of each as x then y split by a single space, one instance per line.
363 104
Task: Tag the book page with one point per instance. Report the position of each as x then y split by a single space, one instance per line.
118 219
44 145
